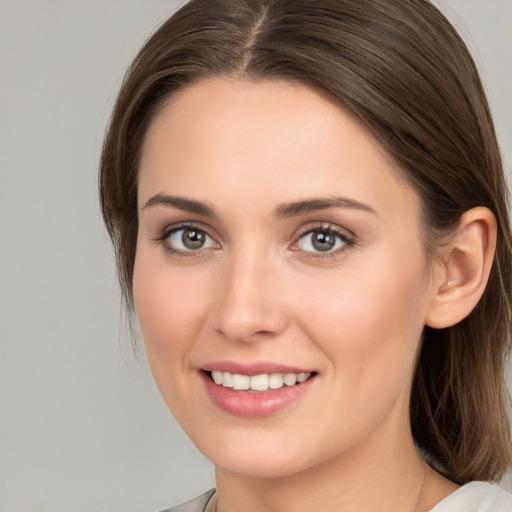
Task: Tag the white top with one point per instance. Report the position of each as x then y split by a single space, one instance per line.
476 497
472 497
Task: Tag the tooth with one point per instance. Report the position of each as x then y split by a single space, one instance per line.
303 376
290 379
259 382
240 381
227 380
275 381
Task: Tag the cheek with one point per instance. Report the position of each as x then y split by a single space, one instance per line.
168 308
369 323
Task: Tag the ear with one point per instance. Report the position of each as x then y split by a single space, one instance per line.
464 269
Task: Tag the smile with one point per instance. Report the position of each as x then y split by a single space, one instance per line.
262 382
254 393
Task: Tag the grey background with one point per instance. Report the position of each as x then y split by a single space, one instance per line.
82 427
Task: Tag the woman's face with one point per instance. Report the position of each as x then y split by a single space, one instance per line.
276 239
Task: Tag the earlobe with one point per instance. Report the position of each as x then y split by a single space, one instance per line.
466 265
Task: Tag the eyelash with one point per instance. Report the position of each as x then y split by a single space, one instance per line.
163 239
347 240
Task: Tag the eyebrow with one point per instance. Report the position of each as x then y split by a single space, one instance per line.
283 211
312 205
181 203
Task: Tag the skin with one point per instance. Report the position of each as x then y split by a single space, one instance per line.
258 291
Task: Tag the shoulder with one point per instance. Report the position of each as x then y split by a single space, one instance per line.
476 497
196 505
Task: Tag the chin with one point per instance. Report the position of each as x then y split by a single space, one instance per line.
255 456
266 466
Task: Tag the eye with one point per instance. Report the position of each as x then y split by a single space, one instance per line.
187 239
322 240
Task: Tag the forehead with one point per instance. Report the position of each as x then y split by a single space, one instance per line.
223 137
215 107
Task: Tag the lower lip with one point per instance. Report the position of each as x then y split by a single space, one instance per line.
254 404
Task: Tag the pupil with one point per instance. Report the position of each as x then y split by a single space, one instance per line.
192 239
323 241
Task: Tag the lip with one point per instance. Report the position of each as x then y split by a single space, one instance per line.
250 404
253 368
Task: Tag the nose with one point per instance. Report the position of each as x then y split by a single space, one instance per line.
249 304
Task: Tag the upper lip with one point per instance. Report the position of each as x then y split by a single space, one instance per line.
250 369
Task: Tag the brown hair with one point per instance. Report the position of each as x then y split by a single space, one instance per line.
405 72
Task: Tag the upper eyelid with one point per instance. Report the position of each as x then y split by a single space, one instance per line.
171 228
327 226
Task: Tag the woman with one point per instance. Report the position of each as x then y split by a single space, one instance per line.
309 213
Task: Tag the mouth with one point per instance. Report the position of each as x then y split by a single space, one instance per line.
257 383
258 394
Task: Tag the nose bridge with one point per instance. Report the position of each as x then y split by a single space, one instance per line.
248 305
